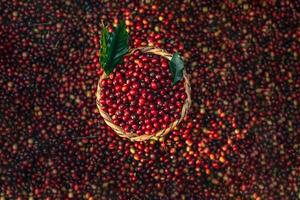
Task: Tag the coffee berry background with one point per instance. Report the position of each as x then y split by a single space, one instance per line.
240 139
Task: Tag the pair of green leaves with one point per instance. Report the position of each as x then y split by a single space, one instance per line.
115 45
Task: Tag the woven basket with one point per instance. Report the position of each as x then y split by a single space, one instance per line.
133 136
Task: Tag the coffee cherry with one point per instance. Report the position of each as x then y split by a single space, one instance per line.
154 86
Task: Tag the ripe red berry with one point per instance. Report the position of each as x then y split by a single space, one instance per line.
154 86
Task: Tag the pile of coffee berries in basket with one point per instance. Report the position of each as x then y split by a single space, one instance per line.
144 90
139 95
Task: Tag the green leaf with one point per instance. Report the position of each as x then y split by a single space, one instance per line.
176 68
113 47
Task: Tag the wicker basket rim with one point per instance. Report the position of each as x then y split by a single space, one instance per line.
133 136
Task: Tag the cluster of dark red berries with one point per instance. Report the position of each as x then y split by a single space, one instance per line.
239 141
139 95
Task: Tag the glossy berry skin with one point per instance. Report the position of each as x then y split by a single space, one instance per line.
145 94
